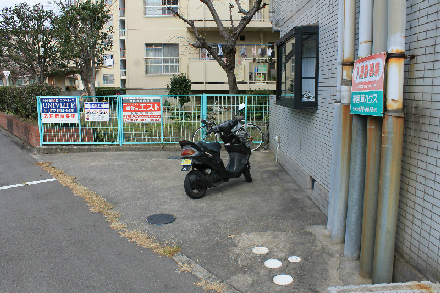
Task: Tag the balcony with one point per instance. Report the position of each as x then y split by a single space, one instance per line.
124 73
251 73
122 12
200 14
122 33
122 54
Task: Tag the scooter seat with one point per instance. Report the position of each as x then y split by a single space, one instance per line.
213 146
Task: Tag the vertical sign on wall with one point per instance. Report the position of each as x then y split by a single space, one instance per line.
142 109
59 110
367 86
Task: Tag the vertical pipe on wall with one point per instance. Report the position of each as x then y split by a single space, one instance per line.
340 203
358 147
392 139
374 140
335 165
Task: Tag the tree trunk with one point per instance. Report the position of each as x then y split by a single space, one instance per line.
232 82
93 75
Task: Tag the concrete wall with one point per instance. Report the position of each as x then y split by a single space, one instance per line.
305 135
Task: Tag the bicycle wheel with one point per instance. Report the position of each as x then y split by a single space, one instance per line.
254 136
200 135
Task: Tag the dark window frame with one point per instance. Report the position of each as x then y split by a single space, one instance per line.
296 102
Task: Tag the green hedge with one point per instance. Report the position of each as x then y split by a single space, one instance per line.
109 91
22 101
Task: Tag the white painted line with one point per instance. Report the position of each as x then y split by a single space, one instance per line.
27 183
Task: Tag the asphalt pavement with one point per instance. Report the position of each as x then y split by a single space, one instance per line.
51 242
217 233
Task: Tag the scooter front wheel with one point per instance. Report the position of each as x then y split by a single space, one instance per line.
193 189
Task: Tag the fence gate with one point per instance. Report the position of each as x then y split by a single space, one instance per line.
139 119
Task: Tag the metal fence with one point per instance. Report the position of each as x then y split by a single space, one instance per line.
178 122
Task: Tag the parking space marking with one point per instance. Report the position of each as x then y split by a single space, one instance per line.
27 183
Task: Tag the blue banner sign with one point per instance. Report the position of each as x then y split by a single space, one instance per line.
59 110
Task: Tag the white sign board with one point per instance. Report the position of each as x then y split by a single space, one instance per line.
94 111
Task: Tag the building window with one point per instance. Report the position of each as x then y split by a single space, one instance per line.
108 60
297 76
108 79
162 59
160 7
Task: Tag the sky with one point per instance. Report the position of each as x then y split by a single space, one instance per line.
9 3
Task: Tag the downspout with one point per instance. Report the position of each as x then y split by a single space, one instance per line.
392 140
374 139
356 187
340 206
336 139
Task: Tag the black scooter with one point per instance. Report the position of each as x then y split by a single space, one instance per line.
206 167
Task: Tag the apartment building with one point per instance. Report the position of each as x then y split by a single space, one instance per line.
150 45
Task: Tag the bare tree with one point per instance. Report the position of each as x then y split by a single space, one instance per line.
229 34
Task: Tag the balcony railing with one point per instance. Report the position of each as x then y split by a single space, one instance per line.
122 33
123 73
122 54
121 12
251 73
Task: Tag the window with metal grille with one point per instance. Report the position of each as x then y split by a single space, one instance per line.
162 59
108 79
160 7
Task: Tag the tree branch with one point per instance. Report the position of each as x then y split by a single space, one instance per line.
240 9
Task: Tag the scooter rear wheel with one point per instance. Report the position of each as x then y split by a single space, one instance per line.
193 189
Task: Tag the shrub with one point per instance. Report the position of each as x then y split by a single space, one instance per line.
22 101
109 91
262 99
179 87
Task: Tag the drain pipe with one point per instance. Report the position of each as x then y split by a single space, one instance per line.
392 141
336 139
340 204
374 140
356 187
277 139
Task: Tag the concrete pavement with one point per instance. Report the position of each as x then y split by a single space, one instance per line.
50 242
219 231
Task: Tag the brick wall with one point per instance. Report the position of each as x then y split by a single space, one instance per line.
26 132
305 135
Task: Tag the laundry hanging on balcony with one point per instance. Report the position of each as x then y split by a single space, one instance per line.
220 50
243 52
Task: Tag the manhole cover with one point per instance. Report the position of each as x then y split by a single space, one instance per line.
161 219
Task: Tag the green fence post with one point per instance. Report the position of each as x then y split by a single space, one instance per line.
120 120
40 125
78 111
161 119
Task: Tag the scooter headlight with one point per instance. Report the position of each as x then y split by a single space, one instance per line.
188 152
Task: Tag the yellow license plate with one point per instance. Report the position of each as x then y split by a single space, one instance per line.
186 162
